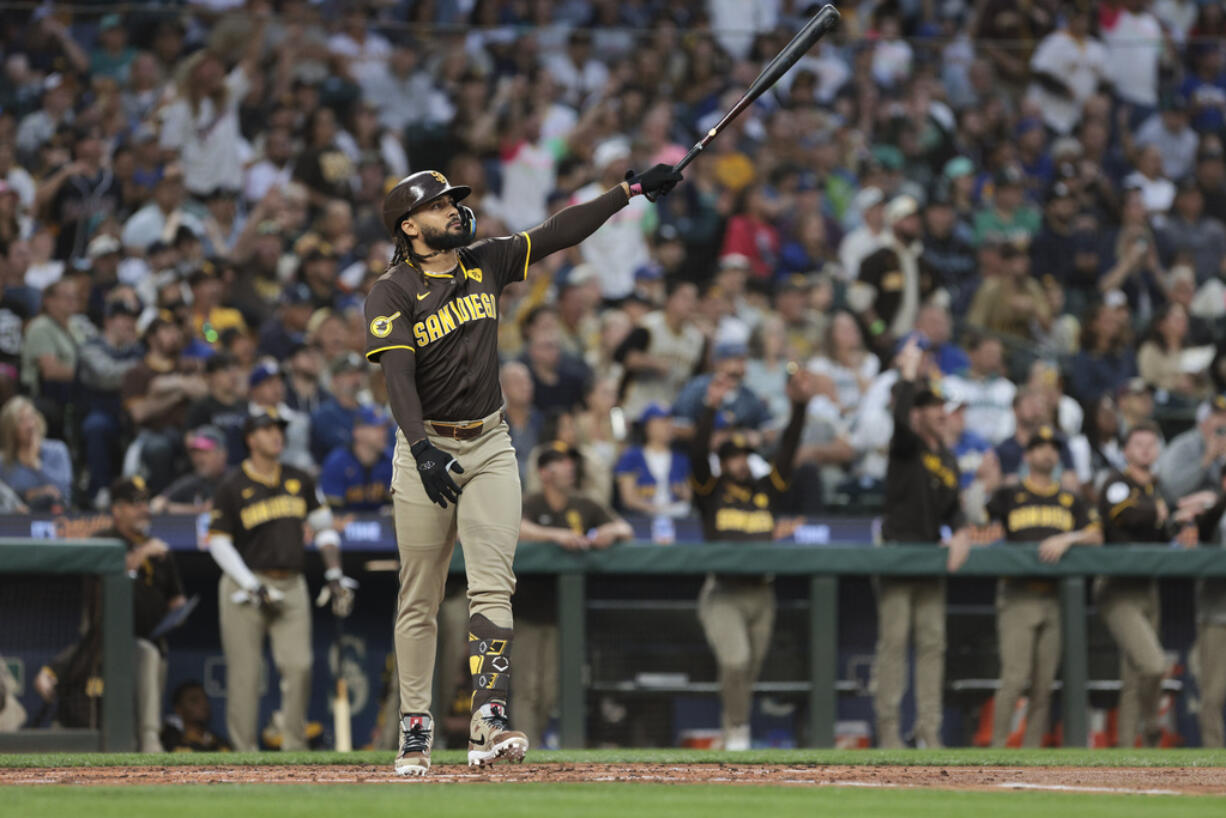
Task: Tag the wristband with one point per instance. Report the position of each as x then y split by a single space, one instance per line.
333 574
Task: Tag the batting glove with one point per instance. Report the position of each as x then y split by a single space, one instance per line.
653 183
266 598
435 467
339 591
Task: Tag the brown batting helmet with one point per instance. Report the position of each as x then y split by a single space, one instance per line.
415 190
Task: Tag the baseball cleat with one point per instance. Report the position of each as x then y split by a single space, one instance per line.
416 738
491 740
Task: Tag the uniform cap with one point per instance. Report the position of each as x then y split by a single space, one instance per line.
1043 436
261 372
415 190
130 490
557 450
733 446
262 420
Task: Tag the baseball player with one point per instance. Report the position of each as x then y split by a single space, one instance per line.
256 536
1133 511
432 324
1028 610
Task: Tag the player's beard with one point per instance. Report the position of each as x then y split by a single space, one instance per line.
443 240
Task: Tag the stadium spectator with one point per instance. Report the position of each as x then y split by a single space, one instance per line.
187 729
1161 357
1013 303
559 380
871 233
1105 360
162 217
653 478
890 284
1189 232
1192 461
662 352
266 392
356 478
37 469
846 361
105 360
559 513
156 394
523 418
193 493
922 506
49 352
286 329
987 394
332 422
223 407
740 407
1068 66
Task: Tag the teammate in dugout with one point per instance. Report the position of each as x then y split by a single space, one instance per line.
256 536
1028 610
1133 511
432 324
738 612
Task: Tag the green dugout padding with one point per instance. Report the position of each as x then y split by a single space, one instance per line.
106 559
824 564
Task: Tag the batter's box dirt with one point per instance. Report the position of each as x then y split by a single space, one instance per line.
1117 781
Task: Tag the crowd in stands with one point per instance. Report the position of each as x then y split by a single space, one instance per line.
189 220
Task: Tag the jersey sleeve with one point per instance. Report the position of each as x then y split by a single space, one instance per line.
311 493
594 514
997 507
389 323
223 519
1083 514
505 259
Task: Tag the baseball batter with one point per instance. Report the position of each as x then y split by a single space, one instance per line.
432 324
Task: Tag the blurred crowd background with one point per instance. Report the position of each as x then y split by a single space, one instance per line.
189 218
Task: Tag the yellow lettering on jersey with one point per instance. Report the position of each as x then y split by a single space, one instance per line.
274 508
574 521
748 522
432 326
454 314
934 465
1042 516
446 321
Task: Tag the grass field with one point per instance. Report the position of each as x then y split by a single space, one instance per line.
598 799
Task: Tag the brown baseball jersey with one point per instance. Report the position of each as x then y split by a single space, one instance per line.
265 518
450 321
536 597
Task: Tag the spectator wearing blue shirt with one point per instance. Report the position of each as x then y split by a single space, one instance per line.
653 478
37 469
968 448
1105 362
1205 88
741 408
1030 411
332 423
356 477
285 331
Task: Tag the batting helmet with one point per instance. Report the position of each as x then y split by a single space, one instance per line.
417 189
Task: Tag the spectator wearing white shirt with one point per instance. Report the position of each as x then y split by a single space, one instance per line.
202 126
892 56
577 70
987 394
161 218
872 233
619 247
276 169
1134 46
846 361
367 51
1171 134
405 95
1157 191
1066 69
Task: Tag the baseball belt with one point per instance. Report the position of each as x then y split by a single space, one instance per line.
462 431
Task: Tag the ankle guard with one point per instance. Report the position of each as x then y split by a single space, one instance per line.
489 660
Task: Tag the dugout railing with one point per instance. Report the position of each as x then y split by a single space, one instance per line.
824 565
105 559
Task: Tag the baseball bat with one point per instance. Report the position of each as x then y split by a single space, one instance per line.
825 19
342 724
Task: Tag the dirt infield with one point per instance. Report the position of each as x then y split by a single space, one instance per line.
1119 780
